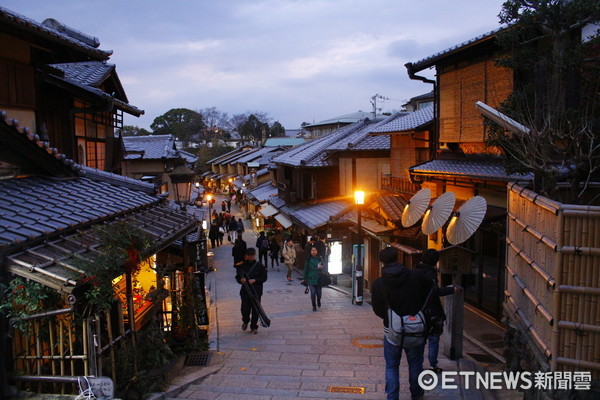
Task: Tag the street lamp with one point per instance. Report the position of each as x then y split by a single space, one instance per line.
181 180
209 201
357 282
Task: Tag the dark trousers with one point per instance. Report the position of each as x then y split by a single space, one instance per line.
249 314
263 254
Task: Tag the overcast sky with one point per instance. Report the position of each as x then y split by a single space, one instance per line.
297 60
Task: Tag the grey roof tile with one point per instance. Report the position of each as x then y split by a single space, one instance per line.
60 204
262 192
406 121
485 169
91 73
317 215
151 147
314 153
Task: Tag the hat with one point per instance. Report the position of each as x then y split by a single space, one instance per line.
313 239
430 256
250 251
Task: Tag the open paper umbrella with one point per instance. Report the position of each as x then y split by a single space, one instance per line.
415 207
467 220
438 214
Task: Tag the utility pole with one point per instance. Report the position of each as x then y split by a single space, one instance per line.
374 103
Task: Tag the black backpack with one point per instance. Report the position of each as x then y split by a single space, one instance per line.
264 244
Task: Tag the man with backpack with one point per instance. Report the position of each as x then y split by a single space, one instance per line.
404 292
262 244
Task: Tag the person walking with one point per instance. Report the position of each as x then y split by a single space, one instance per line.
213 234
238 251
240 227
312 266
274 249
233 227
288 252
262 244
405 292
256 275
434 310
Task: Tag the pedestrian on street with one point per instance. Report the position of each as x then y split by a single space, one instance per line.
213 234
256 273
233 226
229 205
312 266
274 248
262 244
223 206
405 292
434 309
238 251
289 257
240 227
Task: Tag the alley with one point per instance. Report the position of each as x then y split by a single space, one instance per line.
303 354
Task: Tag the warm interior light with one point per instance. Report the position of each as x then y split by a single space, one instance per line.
359 197
197 184
208 197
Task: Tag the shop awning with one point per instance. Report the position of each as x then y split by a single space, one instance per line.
268 210
283 220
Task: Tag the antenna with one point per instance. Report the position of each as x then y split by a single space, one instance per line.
374 103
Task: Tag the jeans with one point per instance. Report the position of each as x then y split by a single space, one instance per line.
433 342
392 355
315 294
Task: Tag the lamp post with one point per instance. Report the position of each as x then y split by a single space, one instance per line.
357 282
181 180
209 201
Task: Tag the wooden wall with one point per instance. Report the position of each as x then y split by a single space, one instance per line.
461 86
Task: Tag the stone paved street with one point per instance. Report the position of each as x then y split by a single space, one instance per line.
304 353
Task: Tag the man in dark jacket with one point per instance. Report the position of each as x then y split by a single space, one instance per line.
405 292
262 244
238 251
256 273
427 265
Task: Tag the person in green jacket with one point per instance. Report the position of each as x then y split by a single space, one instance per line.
312 266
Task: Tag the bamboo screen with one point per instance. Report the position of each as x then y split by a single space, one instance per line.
553 277
460 88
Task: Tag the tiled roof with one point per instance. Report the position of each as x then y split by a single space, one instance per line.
36 206
431 60
52 262
150 147
226 155
346 119
406 121
254 155
317 215
47 158
91 73
234 157
283 141
483 169
262 193
71 84
313 153
18 21
392 206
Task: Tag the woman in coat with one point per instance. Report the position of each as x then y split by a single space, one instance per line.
289 257
312 267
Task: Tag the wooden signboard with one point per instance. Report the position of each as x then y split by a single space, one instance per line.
455 260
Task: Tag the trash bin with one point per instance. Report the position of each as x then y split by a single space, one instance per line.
211 263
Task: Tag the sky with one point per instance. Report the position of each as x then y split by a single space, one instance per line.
296 60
